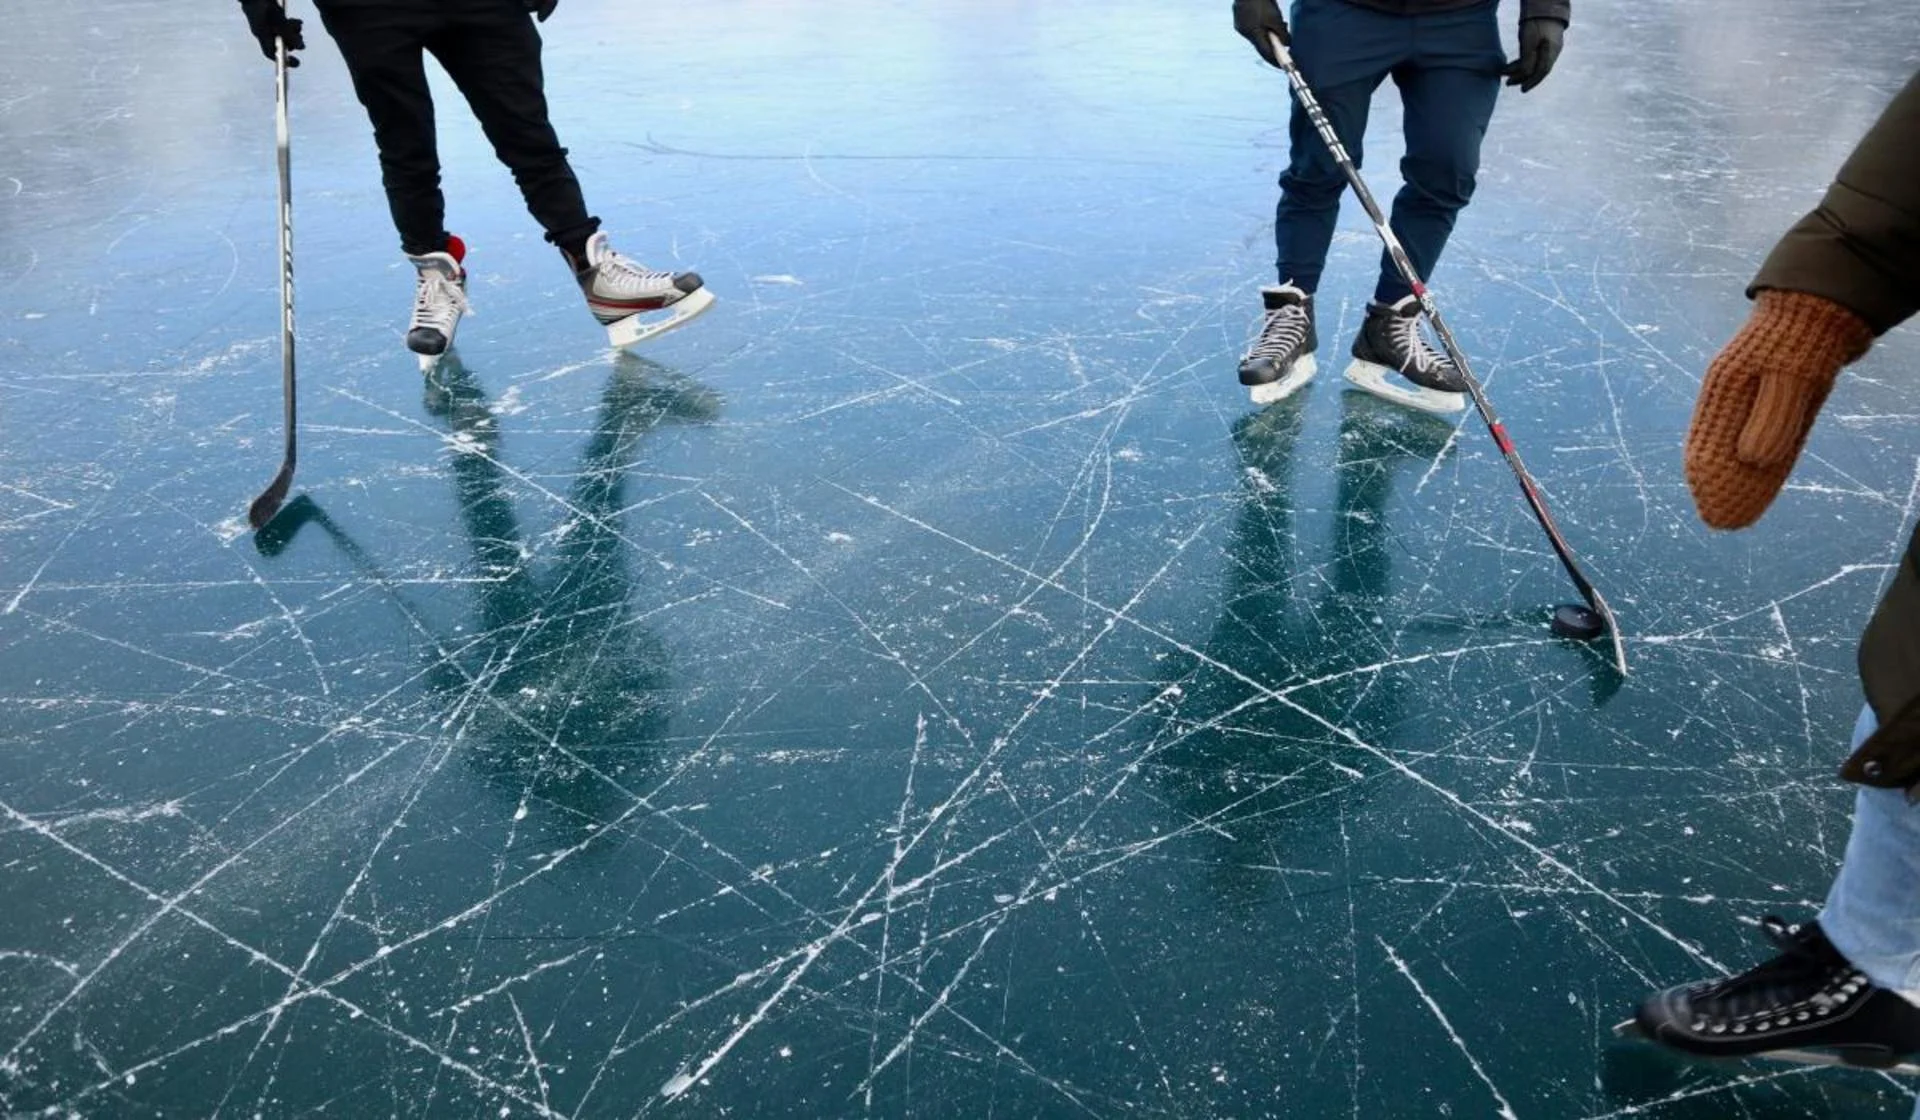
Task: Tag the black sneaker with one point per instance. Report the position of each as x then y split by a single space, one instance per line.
1391 359
1807 998
1280 358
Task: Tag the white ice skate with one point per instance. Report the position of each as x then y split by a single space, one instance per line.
1392 361
633 302
439 301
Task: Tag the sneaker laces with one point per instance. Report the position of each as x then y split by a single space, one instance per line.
1282 330
439 301
1807 966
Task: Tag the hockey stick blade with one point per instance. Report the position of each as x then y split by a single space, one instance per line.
1631 1030
268 503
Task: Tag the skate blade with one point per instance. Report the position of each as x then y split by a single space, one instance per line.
1376 379
1631 1030
1273 392
638 328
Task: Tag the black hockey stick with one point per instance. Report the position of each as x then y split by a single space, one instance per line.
268 503
1569 620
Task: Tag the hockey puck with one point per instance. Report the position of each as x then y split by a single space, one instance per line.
1571 620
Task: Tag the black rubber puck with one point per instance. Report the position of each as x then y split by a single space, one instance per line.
1571 620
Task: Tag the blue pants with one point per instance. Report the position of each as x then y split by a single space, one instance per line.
1447 66
1873 909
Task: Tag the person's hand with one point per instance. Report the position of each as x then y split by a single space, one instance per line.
1759 398
1256 19
1540 43
268 21
541 9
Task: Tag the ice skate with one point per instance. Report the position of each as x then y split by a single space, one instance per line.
633 302
439 300
1808 1005
1392 360
1280 358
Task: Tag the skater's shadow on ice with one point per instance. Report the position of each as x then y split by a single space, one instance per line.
1250 734
578 689
557 693
1375 432
1241 746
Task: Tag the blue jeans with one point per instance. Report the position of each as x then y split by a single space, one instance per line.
1873 909
1447 66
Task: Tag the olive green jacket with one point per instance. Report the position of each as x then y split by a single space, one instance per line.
1861 249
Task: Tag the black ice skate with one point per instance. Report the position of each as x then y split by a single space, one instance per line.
1807 1005
439 300
1280 358
1392 360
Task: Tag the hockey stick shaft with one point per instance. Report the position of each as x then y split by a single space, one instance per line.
1528 488
268 503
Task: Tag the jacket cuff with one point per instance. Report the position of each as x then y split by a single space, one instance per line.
1837 252
1561 10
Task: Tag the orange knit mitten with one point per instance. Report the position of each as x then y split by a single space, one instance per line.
1759 399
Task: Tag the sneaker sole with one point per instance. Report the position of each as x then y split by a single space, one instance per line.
1377 379
1275 391
1856 1058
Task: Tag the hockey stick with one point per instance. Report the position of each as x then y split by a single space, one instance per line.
268 503
1575 625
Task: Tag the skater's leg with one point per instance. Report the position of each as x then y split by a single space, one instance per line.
382 49
1845 983
1344 52
1448 90
1873 909
492 52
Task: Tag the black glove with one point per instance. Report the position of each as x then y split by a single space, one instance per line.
541 9
1256 19
268 21
1540 42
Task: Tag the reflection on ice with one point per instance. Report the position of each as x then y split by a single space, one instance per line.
922 686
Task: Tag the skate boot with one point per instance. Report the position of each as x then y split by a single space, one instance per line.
439 300
1392 360
1280 359
625 295
1808 1004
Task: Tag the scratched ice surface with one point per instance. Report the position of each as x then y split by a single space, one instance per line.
923 687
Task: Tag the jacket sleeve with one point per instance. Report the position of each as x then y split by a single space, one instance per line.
1861 247
1561 10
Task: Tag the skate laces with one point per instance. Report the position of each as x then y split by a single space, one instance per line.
1409 341
439 301
623 274
1281 331
1808 965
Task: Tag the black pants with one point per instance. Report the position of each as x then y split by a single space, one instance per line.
492 52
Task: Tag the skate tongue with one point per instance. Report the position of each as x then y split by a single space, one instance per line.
1285 295
597 250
